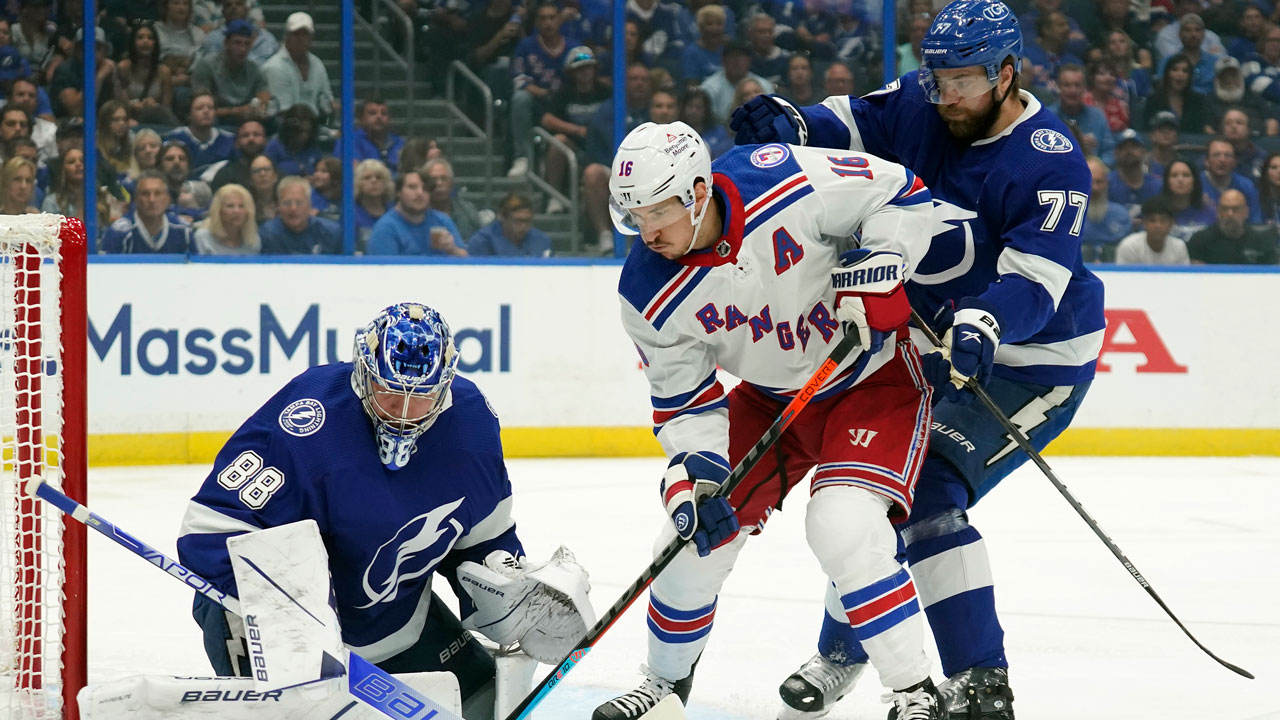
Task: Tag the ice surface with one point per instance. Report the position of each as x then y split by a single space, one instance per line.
1084 639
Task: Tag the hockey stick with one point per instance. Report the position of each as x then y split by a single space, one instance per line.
1025 443
668 553
366 682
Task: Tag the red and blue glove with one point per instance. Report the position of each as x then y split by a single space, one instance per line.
689 494
870 296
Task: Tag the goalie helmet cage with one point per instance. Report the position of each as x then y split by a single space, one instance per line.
43 329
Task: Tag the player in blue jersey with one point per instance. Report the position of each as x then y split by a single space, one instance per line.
1005 280
399 462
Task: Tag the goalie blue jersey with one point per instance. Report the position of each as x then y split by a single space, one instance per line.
1007 220
310 452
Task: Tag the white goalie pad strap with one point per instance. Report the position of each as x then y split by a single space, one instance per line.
542 606
162 697
292 632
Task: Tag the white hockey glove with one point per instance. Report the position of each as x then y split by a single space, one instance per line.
541 606
870 296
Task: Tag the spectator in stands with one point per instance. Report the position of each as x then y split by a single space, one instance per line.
1252 27
1117 16
1130 184
1262 69
374 139
295 75
18 181
1236 128
14 122
1107 95
1164 141
695 109
236 81
295 231
192 202
702 58
175 165
148 229
1174 94
658 23
67 86
1184 194
512 234
375 192
66 193
264 43
1045 55
33 33
180 39
412 227
295 149
251 139
1169 40
211 14
1105 223
24 94
262 184
232 227
537 73
639 89
438 174
69 19
1075 43
569 115
855 40
1088 122
207 143
909 52
1220 176
115 145
838 80
326 188
148 83
417 151
767 59
1268 185
1230 241
1229 94
722 85
1153 245
1192 34
798 86
1132 69
492 35
664 107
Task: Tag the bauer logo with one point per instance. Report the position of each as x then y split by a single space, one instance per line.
302 417
1050 141
769 155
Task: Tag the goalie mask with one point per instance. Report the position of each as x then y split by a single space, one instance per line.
404 363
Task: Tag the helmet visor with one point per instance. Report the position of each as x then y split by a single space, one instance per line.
954 88
647 220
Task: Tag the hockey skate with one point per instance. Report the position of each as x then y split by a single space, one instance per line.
921 702
978 694
643 699
816 687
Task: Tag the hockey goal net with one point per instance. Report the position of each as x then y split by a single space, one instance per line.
42 433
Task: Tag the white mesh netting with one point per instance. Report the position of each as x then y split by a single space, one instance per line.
31 558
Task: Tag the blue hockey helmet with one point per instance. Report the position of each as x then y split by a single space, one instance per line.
968 33
404 362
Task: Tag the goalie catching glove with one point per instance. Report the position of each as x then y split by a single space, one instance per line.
541 606
689 494
870 296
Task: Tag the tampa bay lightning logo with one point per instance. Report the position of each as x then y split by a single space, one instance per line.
415 550
769 156
1050 141
302 417
996 11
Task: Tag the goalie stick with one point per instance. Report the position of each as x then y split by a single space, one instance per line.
1024 442
668 553
366 681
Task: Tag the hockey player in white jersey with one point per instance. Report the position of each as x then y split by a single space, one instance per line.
1016 307
736 265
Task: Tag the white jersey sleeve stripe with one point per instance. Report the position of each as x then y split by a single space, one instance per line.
498 522
1068 353
840 105
1047 273
203 520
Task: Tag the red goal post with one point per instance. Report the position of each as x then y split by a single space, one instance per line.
43 333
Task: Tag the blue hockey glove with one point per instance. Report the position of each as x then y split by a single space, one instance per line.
968 347
869 295
767 119
687 489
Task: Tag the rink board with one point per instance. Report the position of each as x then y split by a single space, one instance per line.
180 353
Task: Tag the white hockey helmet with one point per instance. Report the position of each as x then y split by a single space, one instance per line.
656 162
